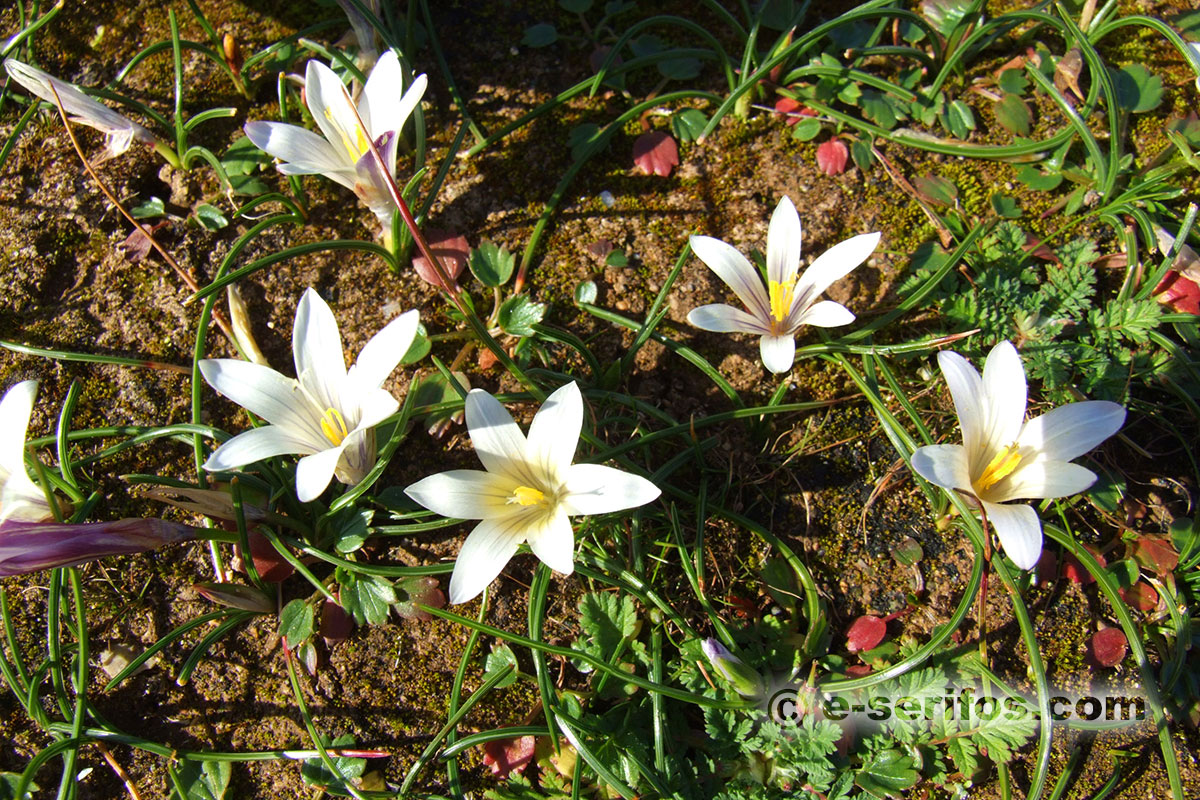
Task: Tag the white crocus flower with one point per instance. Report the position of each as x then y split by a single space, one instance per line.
343 154
529 490
82 109
789 300
328 413
20 498
1003 457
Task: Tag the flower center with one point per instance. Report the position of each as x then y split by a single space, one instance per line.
333 425
527 496
355 147
1001 466
781 298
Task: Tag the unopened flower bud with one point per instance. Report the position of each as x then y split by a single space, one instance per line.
744 680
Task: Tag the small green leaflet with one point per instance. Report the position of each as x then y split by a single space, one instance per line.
887 775
541 35
367 598
202 780
606 620
492 265
519 314
688 123
296 622
314 771
502 656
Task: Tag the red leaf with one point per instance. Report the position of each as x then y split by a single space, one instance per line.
1107 647
793 110
450 248
1178 293
655 153
506 755
1076 572
1155 553
865 633
1141 596
335 623
272 567
1047 567
832 157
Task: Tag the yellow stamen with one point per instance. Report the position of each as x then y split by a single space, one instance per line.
333 425
1001 466
526 496
355 148
781 298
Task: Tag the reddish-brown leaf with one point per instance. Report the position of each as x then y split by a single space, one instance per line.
336 624
1178 293
1047 567
272 567
1141 596
832 157
1107 647
655 153
865 633
137 245
1076 572
792 110
450 248
508 755
1155 553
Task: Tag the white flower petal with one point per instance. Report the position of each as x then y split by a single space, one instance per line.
596 489
333 111
317 350
371 181
554 543
834 263
381 355
257 444
498 441
305 152
554 434
737 273
314 472
82 108
464 493
381 95
1020 532
783 243
264 392
15 410
943 465
966 387
721 318
486 551
826 314
1006 393
778 352
23 501
1042 479
1069 431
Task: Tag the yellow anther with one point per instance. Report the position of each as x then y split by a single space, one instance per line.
781 298
333 425
355 147
527 496
1001 466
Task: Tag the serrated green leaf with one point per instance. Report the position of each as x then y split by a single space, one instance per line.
502 656
296 622
937 189
688 124
419 348
1037 180
958 119
350 528
519 314
1013 81
581 139
1005 206
1138 89
617 258
243 158
492 265
876 108
1013 113
203 780
585 292
606 619
860 151
888 774
806 129
367 598
541 35
151 208
210 217
314 772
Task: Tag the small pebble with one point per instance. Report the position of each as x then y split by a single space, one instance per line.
607 198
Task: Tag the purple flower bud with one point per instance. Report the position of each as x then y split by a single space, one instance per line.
33 546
